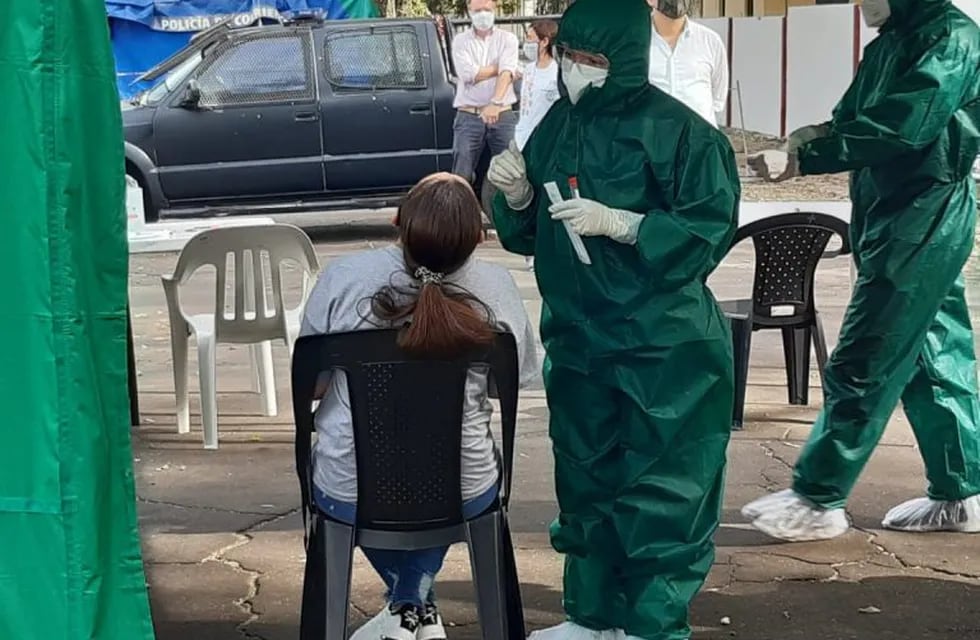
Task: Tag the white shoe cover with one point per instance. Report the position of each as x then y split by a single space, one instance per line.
923 515
789 516
572 631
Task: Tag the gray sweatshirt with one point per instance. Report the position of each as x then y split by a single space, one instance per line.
340 301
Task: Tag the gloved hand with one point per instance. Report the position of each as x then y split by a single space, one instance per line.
591 218
509 174
775 165
806 134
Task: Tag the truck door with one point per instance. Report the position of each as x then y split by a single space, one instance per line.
255 131
378 118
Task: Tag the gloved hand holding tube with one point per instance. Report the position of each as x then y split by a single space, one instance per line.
590 218
509 174
776 165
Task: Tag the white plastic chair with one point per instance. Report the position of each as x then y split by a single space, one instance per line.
245 322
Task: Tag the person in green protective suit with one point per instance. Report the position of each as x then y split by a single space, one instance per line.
908 129
639 374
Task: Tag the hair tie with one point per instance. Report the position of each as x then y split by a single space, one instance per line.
427 276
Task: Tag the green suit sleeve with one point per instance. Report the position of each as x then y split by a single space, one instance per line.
515 229
684 244
908 116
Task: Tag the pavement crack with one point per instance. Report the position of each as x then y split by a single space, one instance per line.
247 602
905 564
177 505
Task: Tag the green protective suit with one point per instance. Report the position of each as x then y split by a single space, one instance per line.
70 568
909 129
639 374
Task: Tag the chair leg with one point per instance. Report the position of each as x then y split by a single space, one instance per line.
515 604
209 391
338 550
266 374
820 346
179 334
742 348
485 539
796 348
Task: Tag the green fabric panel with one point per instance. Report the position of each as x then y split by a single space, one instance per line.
67 502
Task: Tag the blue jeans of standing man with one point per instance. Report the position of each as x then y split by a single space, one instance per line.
408 575
471 133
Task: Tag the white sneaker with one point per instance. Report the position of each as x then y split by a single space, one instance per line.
571 631
431 625
924 515
789 516
402 624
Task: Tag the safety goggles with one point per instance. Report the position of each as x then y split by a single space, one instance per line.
582 57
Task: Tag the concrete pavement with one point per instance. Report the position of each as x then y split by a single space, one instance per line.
223 542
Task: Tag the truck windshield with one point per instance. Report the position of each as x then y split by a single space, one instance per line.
171 81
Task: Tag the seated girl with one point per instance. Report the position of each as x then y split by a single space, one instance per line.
454 302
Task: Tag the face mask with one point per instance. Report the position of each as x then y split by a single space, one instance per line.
674 9
578 78
875 12
531 50
482 20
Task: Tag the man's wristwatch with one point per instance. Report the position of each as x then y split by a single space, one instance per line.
498 103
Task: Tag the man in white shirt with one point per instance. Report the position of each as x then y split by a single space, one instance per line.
486 59
688 60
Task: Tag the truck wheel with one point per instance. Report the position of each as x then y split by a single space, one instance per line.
487 192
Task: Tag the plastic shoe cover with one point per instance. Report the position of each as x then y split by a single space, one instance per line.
756 508
371 630
788 516
924 515
571 631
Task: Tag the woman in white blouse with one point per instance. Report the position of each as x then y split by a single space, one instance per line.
539 82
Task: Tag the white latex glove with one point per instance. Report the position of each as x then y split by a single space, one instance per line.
591 218
775 165
806 134
509 174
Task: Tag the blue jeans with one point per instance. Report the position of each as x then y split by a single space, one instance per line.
408 575
470 134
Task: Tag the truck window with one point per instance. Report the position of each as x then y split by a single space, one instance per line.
359 59
258 70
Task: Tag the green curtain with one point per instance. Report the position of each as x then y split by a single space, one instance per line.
70 565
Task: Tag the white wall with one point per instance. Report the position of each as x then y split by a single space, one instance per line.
820 61
971 7
757 70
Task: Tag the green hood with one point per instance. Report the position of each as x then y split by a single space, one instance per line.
908 13
621 31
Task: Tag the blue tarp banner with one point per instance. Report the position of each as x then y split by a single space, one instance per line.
145 32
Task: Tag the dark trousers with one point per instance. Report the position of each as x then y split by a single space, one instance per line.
470 134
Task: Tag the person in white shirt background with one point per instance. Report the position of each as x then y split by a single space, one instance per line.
539 83
486 60
688 60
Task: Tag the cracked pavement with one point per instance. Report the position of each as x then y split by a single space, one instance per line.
222 535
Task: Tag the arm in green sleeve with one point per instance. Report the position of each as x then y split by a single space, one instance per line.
910 116
516 229
687 242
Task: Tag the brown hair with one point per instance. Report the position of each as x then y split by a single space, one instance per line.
546 29
440 224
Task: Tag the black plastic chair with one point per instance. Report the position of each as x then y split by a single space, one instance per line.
788 248
407 414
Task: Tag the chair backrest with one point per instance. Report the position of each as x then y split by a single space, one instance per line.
241 255
407 418
788 248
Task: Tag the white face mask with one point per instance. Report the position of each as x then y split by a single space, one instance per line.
875 12
579 77
482 20
531 50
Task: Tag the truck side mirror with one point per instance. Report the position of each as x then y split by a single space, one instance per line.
192 96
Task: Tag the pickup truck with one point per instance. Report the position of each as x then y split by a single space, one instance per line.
297 116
